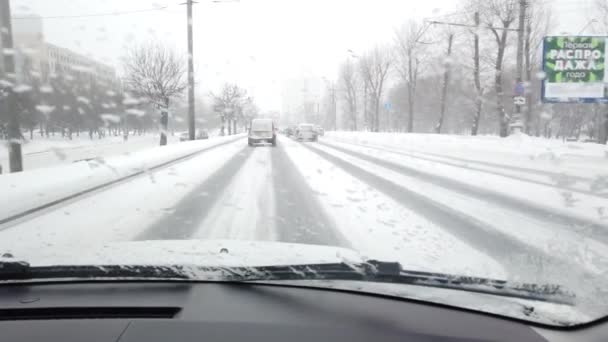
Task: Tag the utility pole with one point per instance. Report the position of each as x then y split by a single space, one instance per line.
528 119
516 121
191 120
446 81
476 75
14 131
334 108
331 119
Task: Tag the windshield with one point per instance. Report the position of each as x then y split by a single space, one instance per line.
261 125
464 138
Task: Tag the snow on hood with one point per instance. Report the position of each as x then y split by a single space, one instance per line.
233 253
527 310
221 253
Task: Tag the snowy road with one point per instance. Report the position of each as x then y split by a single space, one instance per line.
386 206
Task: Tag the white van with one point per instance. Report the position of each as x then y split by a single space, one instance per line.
262 130
306 132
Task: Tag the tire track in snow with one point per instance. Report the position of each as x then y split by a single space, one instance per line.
516 257
465 164
546 173
192 209
244 209
300 218
591 228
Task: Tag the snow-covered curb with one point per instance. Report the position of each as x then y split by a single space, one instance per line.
28 190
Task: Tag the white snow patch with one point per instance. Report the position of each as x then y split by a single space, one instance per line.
30 189
122 212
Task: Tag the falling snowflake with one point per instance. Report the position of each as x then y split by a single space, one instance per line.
22 88
112 118
45 109
47 89
83 99
136 112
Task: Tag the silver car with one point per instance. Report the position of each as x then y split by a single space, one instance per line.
306 132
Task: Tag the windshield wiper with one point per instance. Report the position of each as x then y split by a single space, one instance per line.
370 271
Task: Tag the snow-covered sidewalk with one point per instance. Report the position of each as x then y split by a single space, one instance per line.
42 186
122 212
577 159
52 151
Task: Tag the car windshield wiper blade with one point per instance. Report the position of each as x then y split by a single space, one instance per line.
370 271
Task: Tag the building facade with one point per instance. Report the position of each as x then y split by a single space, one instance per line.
34 57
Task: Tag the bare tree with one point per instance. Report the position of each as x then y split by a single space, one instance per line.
366 116
538 22
331 116
229 105
349 83
374 67
409 51
250 110
498 16
600 8
155 72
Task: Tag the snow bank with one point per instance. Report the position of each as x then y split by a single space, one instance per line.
533 196
124 212
46 144
52 151
31 189
573 158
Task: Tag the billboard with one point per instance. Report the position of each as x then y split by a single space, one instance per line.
575 69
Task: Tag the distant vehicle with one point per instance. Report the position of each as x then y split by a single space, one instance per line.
200 135
306 132
320 130
289 131
262 130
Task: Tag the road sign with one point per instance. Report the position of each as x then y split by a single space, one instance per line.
388 106
574 69
519 100
519 89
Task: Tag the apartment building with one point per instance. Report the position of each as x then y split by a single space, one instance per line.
34 57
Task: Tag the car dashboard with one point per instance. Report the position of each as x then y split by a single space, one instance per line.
190 311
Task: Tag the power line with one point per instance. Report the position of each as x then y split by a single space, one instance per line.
447 15
106 14
432 22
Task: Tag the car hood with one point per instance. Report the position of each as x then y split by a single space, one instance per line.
189 252
236 253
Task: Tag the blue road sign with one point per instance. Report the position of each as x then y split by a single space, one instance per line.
519 89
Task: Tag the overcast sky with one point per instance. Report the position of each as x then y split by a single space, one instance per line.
256 43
